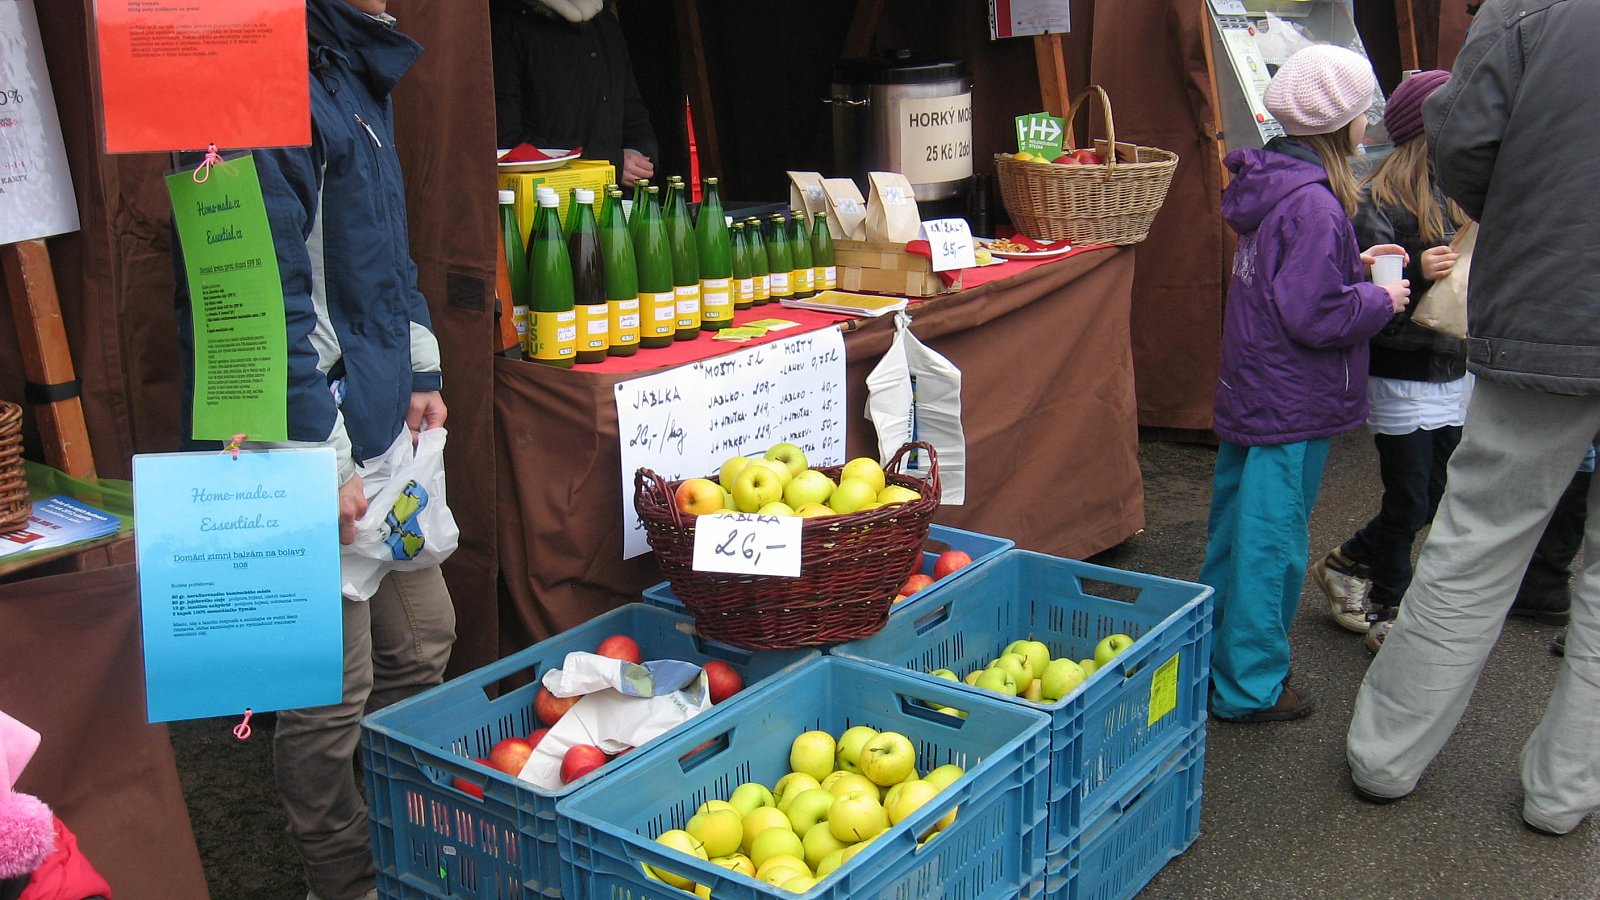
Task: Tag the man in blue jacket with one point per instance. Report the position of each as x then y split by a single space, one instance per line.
363 375
1534 344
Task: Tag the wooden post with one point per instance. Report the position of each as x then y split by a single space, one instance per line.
1406 25
46 358
697 84
1051 60
1216 101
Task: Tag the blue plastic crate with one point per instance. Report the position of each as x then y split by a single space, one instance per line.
1105 734
431 839
990 851
1151 823
981 547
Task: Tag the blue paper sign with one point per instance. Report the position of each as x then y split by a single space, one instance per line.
238 581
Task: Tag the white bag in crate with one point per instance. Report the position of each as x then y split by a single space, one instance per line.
914 394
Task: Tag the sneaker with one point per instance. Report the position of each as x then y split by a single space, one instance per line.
1376 635
1291 705
1346 585
1545 611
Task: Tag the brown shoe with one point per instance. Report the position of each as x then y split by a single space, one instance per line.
1291 705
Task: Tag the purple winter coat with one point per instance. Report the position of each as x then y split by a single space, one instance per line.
1299 312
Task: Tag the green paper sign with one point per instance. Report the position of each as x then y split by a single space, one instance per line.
236 299
1040 133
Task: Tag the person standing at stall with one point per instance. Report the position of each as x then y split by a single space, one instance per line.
1534 344
562 79
1292 372
363 374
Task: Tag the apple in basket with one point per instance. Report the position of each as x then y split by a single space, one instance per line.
510 754
550 708
950 561
698 496
620 646
580 760
722 680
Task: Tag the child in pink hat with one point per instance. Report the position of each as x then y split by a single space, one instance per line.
39 857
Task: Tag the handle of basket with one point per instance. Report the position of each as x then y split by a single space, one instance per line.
1105 111
925 447
647 479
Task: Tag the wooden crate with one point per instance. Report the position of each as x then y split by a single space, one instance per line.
882 268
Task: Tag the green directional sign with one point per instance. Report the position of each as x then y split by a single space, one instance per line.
1040 133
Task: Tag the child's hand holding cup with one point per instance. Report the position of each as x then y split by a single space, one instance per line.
1388 262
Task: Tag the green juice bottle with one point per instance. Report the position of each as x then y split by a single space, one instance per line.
641 193
760 267
827 274
658 311
779 260
621 277
516 264
803 277
714 247
685 260
588 279
554 326
744 285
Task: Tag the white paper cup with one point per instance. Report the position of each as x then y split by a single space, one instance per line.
1388 268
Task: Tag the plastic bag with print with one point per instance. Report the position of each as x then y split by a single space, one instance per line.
407 525
914 394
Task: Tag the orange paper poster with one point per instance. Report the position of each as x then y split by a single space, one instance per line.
183 74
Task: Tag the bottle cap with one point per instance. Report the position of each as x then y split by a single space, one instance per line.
548 198
507 197
584 196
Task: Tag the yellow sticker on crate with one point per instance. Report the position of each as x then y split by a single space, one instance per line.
1163 690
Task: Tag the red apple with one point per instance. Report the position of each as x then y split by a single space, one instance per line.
1066 159
510 754
916 581
537 735
620 646
580 760
698 496
467 787
722 680
949 561
1087 157
550 708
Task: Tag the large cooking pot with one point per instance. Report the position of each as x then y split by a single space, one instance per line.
901 113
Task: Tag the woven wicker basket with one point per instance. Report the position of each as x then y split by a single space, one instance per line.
14 503
1112 203
851 567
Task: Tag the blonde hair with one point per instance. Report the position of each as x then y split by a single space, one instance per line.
1334 149
1403 180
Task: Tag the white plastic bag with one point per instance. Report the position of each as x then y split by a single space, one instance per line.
914 394
408 525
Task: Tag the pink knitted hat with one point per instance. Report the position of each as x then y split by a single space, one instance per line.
27 827
1319 89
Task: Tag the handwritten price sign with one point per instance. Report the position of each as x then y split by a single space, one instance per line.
747 544
950 241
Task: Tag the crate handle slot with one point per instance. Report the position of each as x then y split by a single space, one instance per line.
924 709
1127 800
1109 590
705 752
674 862
932 619
728 653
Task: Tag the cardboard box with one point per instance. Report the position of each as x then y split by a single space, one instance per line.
593 174
886 269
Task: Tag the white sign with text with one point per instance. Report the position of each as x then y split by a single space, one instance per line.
747 544
36 198
950 244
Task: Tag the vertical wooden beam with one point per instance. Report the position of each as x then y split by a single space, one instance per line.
1050 59
1406 26
697 83
1216 98
863 28
46 358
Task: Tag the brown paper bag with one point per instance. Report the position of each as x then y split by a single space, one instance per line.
1443 308
847 209
805 193
892 209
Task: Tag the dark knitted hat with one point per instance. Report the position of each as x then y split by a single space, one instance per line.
1402 116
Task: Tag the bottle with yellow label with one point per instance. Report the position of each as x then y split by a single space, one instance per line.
554 327
715 249
658 310
621 276
779 259
803 277
588 280
760 268
744 284
827 273
685 260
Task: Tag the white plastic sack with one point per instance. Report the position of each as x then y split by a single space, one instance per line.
914 394
408 525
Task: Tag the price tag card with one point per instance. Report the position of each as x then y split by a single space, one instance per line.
747 544
950 241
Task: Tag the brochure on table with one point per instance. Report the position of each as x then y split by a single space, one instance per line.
56 522
684 422
36 198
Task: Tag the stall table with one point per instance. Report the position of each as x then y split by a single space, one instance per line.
1048 408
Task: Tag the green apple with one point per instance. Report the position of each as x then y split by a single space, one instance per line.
814 510
888 758
952 711
848 754
755 487
776 508
851 495
1089 666
908 799
946 674
791 786
776 842
808 486
1037 653
711 805
1060 677
894 493
683 842
944 776
853 849
857 816
749 796
799 884
730 470
1110 646
865 468
781 868
738 862
1021 670
808 808
727 500
812 753
790 455
718 831
998 680
842 782
758 820
778 468
973 676
1034 691
819 842
832 861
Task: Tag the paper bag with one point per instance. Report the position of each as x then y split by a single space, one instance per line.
407 525
1443 306
805 193
847 209
914 394
892 216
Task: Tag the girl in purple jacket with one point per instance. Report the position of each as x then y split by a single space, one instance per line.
1293 368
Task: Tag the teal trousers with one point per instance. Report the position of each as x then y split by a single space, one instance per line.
1256 552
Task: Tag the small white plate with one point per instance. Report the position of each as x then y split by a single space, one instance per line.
561 158
1026 254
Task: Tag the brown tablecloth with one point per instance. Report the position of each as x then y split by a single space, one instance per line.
1047 404
71 668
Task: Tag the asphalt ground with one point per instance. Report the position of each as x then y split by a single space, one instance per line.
1278 819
